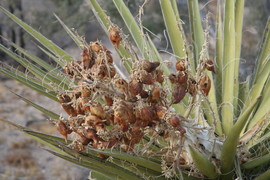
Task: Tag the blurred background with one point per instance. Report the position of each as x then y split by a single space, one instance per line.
22 158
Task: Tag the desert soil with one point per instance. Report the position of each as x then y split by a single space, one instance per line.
21 157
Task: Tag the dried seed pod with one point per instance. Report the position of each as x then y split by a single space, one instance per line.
181 65
146 78
86 59
173 78
96 46
109 101
121 85
149 66
115 35
65 100
155 94
135 87
161 111
182 77
178 93
85 90
192 86
159 75
63 129
149 113
175 122
144 94
83 105
91 119
84 141
97 109
209 65
205 84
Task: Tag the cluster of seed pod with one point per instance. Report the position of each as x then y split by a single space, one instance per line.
102 99
106 110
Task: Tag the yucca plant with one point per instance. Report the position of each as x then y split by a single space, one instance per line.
192 120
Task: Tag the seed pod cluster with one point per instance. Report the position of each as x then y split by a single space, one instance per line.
101 98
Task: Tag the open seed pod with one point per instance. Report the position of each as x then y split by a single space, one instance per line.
181 65
146 77
192 86
115 35
63 129
205 84
209 65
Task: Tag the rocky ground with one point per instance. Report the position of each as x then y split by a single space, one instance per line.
21 157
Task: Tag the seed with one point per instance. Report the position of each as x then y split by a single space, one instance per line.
175 122
209 65
192 86
135 87
149 66
181 65
205 84
178 93
115 36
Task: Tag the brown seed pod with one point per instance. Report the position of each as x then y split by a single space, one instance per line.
97 109
149 113
86 58
146 78
135 87
149 66
115 35
161 111
209 65
205 84
63 129
173 78
144 94
109 100
181 65
182 77
175 122
121 85
155 94
65 100
159 75
96 46
192 86
85 90
178 93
